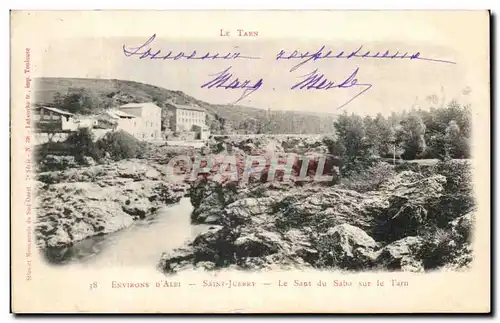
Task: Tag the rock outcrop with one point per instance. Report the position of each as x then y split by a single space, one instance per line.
319 226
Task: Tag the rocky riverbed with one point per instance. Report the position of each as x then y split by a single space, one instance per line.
77 203
274 225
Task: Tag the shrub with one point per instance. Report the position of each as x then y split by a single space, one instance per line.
80 144
50 148
458 198
444 247
406 166
121 145
458 175
370 179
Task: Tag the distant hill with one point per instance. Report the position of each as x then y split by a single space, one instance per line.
221 118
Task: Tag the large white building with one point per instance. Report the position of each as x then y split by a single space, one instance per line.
147 122
184 117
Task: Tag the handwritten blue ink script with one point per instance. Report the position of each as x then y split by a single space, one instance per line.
358 53
318 81
315 80
145 51
227 81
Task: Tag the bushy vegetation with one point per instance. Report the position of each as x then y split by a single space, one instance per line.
80 100
439 133
81 144
121 145
458 197
80 148
370 179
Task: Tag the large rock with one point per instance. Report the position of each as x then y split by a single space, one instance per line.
301 244
248 209
328 207
401 255
347 247
463 225
258 244
54 162
177 260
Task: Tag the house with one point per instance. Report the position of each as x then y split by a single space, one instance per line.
48 119
143 120
201 132
118 120
184 117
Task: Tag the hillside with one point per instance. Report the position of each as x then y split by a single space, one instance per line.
105 93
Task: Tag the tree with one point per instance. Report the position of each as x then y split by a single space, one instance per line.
249 125
226 127
81 144
372 134
456 145
380 135
79 100
354 144
413 140
437 146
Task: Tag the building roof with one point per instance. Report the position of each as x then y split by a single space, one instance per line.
140 105
116 114
186 107
58 111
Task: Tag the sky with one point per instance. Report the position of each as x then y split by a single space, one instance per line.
395 84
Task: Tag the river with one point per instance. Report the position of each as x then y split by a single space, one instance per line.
138 245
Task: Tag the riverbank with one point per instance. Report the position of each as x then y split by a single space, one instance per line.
77 203
168 228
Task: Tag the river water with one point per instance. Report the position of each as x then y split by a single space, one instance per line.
138 245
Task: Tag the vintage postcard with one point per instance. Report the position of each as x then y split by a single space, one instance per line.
250 161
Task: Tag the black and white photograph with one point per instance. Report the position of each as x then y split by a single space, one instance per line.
249 154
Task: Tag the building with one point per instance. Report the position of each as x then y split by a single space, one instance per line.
48 119
143 120
118 120
184 117
201 132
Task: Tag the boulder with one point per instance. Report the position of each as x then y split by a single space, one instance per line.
347 247
58 238
89 161
258 244
140 209
246 209
400 255
54 163
462 226
176 260
301 244
350 237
